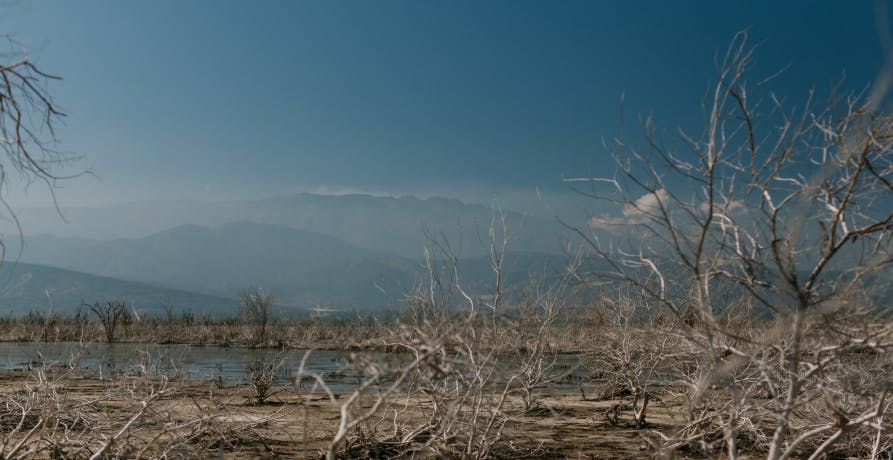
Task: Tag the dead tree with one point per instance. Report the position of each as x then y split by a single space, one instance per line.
110 315
257 309
785 211
28 117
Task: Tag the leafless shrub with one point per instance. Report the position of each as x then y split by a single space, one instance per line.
110 314
786 212
138 416
633 355
263 375
257 309
457 373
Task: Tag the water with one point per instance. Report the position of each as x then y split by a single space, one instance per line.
227 365
224 364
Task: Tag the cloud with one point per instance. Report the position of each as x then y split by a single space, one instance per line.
338 190
634 213
728 207
648 204
606 223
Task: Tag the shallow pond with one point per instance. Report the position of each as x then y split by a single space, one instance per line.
197 362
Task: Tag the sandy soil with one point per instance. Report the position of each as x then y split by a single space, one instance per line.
297 424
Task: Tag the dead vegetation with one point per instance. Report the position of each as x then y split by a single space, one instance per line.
740 312
774 212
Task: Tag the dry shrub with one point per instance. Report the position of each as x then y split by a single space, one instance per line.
786 213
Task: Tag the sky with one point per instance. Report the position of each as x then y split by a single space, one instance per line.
466 99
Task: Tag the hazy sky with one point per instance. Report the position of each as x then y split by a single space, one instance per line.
219 99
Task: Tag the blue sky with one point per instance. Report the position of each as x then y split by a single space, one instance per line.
469 99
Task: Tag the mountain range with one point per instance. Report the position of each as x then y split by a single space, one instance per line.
28 288
345 252
394 225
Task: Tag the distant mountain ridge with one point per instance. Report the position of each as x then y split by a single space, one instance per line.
345 251
28 288
300 267
303 269
385 224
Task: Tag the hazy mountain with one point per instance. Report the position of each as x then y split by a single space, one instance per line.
302 268
398 225
345 251
385 224
27 287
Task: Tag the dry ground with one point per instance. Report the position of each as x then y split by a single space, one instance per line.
296 423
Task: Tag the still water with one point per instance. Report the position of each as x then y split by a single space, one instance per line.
192 362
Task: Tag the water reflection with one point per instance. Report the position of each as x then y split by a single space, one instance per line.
226 365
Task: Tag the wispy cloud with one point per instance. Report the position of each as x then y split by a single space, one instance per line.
633 213
340 190
643 208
